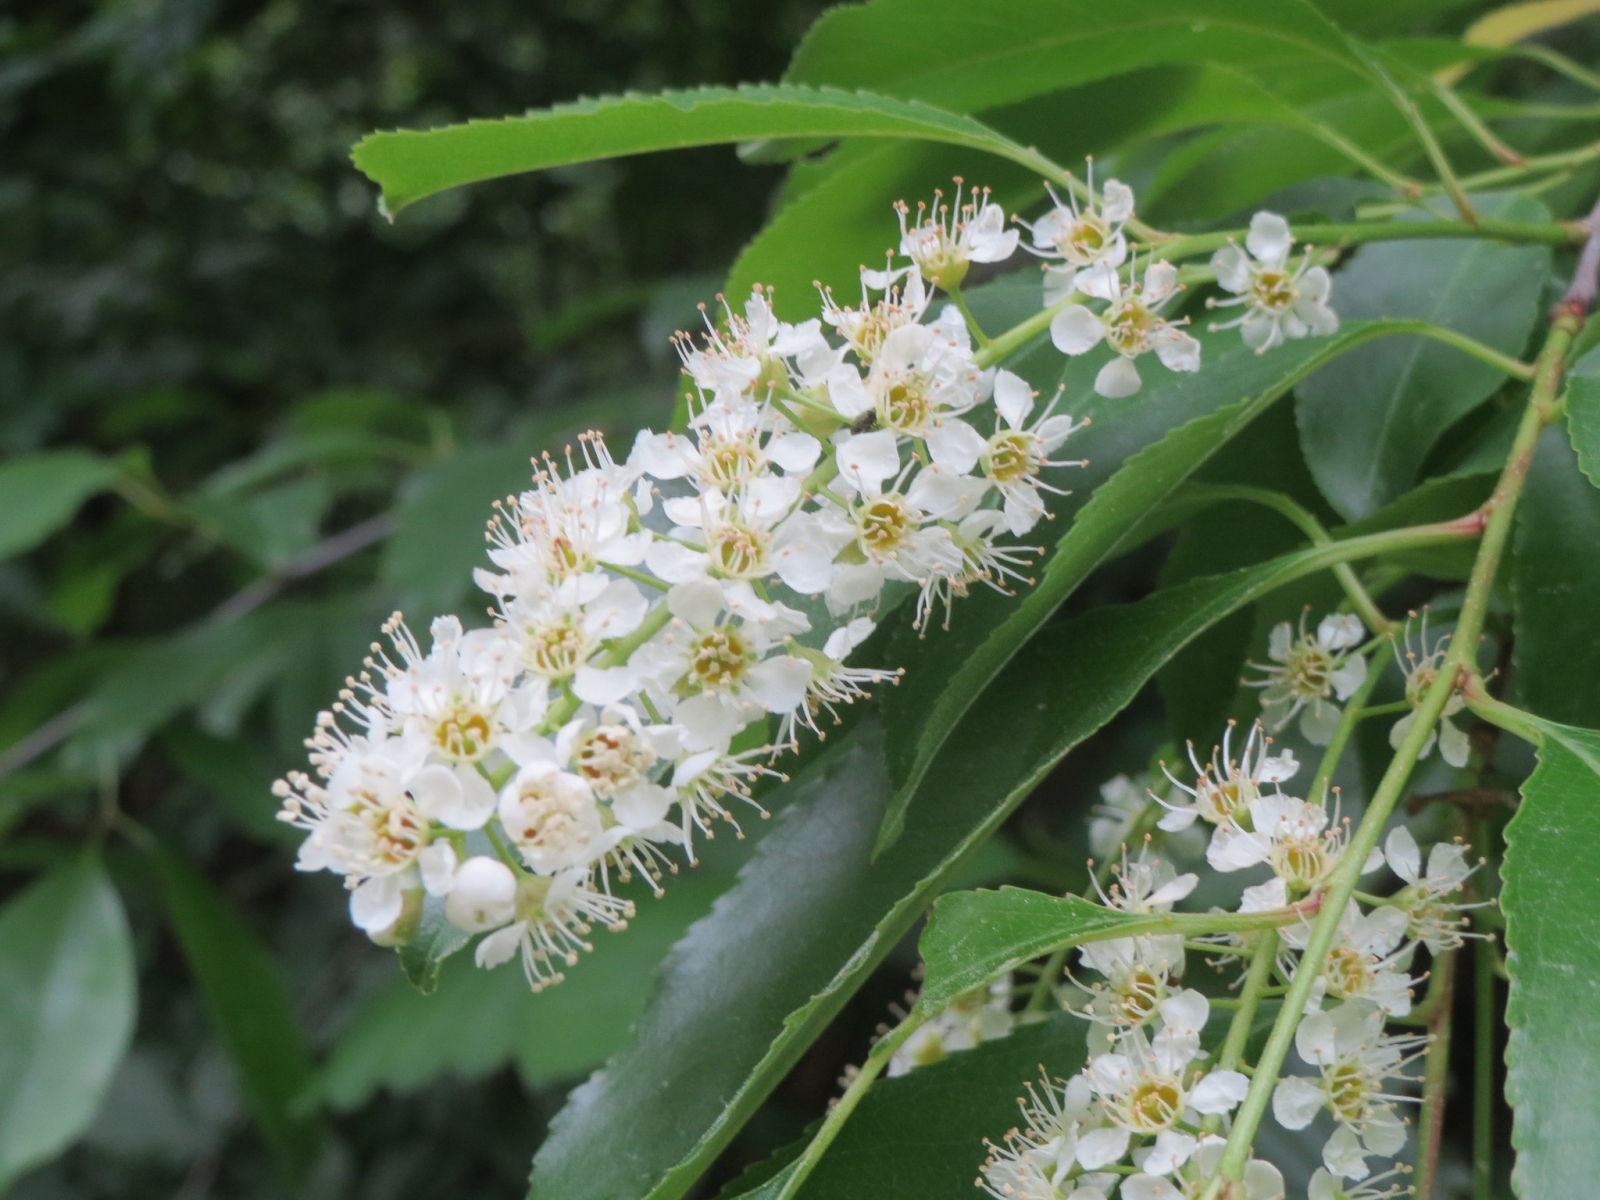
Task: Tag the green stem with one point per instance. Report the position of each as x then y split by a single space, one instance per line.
1044 986
877 1058
649 581
1255 980
1498 712
1348 720
1473 124
1533 166
1459 660
1304 520
616 655
1483 1074
1563 233
960 301
1430 1120
1557 62
1384 710
1013 339
1419 125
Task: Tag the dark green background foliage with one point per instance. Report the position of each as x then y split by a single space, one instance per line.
244 418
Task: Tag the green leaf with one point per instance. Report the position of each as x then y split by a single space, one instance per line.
1555 579
478 1020
249 1004
436 939
973 937
752 985
67 995
1552 907
920 714
921 1134
1368 421
845 218
41 492
410 165
1583 423
966 60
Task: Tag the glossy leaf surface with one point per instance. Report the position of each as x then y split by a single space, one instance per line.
1368 421
67 998
1552 906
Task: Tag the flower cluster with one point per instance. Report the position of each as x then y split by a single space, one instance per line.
1143 1118
1147 1085
665 624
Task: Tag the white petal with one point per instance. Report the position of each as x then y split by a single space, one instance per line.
1171 1151
847 391
377 903
1012 397
1338 631
1295 1101
1160 281
1219 1092
604 685
673 563
1177 889
1264 896
1318 722
1118 378
458 797
1317 1039
1176 349
1405 859
795 452
780 683
955 444
1186 1012
1232 266
1116 201
867 459
1343 1155
1060 281
1102 1147
699 603
499 946
437 865
1269 239
1262 1181
1454 745
1100 281
1076 330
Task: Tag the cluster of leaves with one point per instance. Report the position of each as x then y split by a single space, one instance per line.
1164 574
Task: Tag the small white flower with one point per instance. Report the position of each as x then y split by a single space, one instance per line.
484 895
1308 670
1431 916
978 1016
945 239
1082 236
1225 787
548 919
1281 302
1420 670
1131 325
1356 1060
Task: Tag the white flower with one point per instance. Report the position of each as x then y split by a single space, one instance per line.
559 632
945 238
1308 671
1431 918
1355 1060
1281 303
919 375
1039 1161
1131 325
1224 788
1420 671
903 302
548 919
450 699
750 356
1365 961
832 683
1079 237
1145 1089
551 816
978 1016
566 525
1294 837
1012 457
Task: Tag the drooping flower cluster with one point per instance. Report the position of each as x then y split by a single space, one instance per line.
665 624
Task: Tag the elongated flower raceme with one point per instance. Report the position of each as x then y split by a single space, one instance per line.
667 622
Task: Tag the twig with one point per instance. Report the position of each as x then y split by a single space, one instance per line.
1580 294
